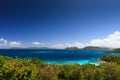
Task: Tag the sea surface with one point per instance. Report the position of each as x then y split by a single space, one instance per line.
57 56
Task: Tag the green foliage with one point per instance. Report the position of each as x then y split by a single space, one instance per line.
115 59
35 69
116 50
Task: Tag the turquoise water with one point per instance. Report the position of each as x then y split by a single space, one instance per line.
58 56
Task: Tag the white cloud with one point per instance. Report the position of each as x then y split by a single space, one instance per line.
14 44
58 46
76 44
111 41
61 46
37 43
3 42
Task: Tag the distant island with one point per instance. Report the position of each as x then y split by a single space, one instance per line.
95 48
87 48
116 50
72 48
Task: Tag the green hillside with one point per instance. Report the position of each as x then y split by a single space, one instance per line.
35 69
94 48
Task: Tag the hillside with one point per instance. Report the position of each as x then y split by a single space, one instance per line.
35 69
116 50
95 48
72 48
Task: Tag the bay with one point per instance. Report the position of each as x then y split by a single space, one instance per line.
57 56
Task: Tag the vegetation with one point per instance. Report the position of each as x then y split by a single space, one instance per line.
115 59
94 48
116 50
34 69
73 48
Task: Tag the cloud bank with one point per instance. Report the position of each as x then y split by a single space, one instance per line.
111 41
14 44
37 44
3 42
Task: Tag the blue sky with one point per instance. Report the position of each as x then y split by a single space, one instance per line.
58 21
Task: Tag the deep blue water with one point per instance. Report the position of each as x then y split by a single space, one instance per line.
57 56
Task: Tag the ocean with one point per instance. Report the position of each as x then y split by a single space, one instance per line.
57 56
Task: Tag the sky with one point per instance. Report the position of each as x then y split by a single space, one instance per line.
59 23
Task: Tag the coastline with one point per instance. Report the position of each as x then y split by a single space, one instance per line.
101 61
